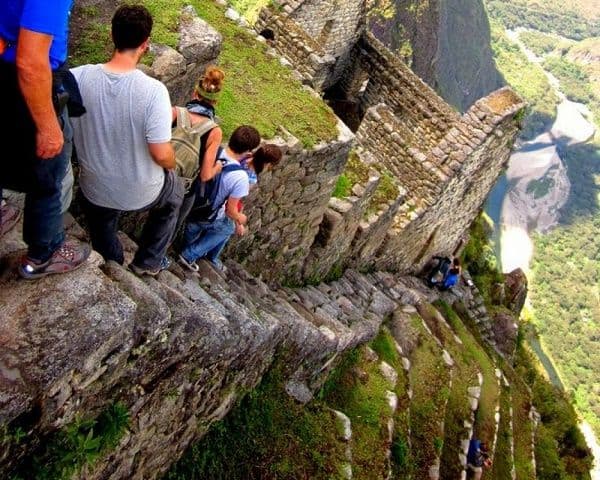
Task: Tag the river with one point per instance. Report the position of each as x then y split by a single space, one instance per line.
529 196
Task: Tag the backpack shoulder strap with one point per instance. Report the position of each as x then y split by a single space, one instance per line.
203 127
183 117
232 167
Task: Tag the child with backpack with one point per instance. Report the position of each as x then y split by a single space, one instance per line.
215 211
265 158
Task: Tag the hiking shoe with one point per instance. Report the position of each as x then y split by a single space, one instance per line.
165 263
9 217
69 256
193 266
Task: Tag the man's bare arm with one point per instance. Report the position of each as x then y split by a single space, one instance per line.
35 80
163 154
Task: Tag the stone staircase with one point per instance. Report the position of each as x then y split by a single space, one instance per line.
179 349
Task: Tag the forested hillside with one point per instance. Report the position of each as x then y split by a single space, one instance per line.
565 280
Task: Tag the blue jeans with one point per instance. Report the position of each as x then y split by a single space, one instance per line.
206 239
41 180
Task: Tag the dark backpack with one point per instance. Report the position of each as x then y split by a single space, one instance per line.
205 209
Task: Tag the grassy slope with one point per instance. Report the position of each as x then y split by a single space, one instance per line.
401 459
267 435
360 393
429 378
503 459
458 410
473 353
258 90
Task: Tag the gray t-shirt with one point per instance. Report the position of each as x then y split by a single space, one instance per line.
125 112
233 184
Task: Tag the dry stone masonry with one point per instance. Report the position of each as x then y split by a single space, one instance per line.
179 350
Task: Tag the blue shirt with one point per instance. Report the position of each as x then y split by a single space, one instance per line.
42 16
451 280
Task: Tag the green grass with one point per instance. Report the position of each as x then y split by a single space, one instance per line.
429 379
79 444
503 459
476 354
402 461
362 398
355 172
522 424
267 435
258 90
470 358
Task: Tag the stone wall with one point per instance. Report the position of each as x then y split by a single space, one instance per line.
416 105
337 230
306 55
395 146
476 149
287 207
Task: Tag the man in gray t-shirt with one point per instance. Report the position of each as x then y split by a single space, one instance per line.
123 146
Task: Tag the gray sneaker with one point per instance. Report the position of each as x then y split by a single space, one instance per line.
9 217
69 256
165 263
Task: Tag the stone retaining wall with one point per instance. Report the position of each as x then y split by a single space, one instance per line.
337 230
476 149
287 207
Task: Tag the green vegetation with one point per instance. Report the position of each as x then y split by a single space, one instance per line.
429 379
528 80
267 435
539 43
258 90
560 451
343 187
503 459
361 394
402 462
479 257
548 17
540 188
464 376
356 172
574 81
77 445
472 355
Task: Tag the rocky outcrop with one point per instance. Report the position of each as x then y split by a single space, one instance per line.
448 44
515 290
